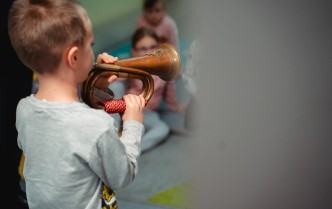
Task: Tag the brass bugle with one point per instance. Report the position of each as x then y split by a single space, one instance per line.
164 62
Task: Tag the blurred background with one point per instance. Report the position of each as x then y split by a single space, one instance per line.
114 21
265 135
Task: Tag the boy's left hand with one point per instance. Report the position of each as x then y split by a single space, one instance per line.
106 58
109 59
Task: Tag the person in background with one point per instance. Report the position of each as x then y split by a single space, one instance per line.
144 40
185 122
155 17
74 157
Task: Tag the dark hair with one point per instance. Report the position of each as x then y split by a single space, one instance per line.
142 32
148 4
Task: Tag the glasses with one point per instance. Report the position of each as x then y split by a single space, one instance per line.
145 49
155 10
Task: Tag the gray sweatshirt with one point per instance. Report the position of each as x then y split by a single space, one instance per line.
72 151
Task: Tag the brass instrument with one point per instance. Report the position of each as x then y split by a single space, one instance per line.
163 62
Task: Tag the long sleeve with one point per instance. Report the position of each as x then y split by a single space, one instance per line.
115 159
80 151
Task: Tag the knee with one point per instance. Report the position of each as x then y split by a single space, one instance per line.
164 128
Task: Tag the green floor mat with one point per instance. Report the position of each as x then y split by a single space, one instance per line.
177 196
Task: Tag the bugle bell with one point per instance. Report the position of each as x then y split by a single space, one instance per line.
163 62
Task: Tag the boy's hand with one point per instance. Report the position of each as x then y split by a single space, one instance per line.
109 59
134 107
106 58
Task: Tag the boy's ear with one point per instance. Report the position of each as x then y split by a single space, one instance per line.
72 56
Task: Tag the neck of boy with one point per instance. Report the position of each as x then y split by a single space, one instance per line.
57 90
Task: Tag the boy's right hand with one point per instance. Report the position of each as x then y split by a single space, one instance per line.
134 107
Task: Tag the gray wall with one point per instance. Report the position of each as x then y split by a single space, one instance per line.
265 137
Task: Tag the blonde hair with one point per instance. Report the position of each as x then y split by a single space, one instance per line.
41 31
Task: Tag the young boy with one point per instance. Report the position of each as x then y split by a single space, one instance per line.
154 16
73 155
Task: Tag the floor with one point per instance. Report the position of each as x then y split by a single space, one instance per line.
159 169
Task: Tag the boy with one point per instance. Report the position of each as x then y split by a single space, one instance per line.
154 16
73 155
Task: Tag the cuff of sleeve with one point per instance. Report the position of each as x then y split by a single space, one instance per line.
133 124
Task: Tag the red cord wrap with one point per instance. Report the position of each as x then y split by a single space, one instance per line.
115 106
